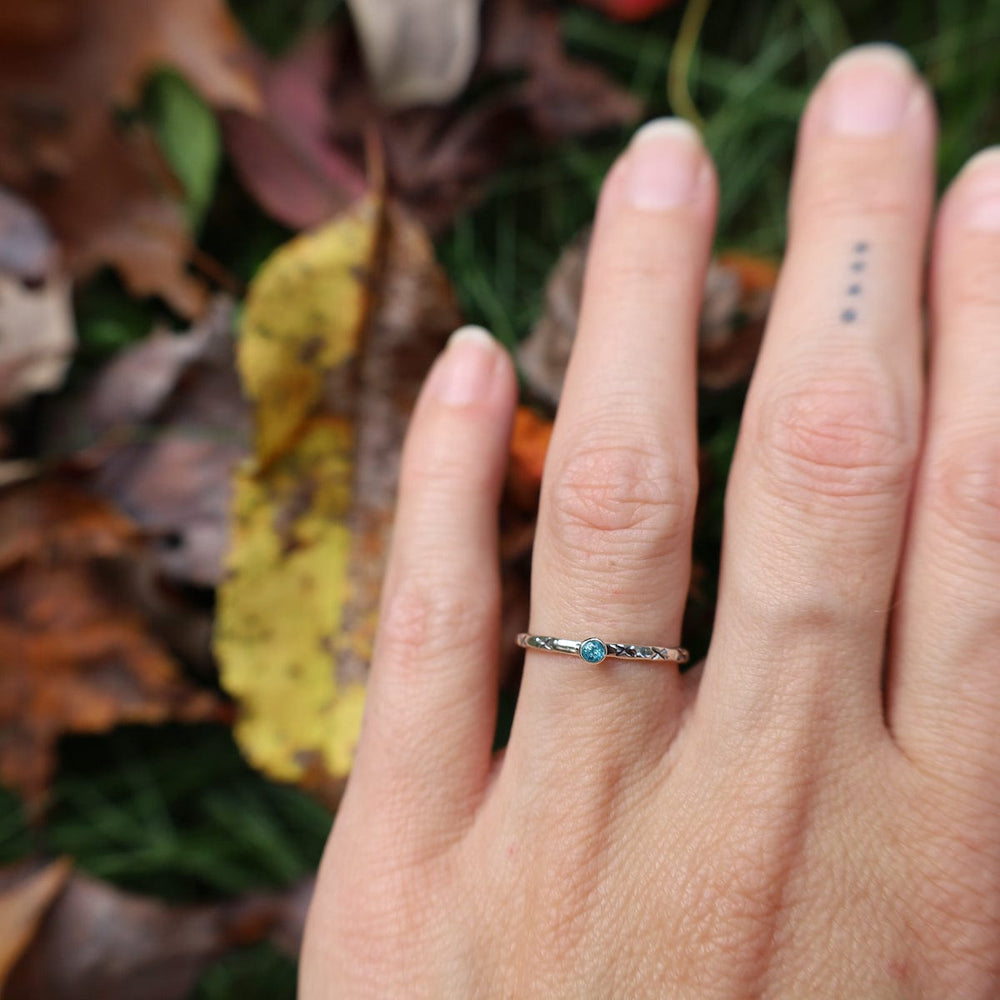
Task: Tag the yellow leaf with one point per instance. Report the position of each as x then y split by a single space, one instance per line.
312 509
304 316
280 607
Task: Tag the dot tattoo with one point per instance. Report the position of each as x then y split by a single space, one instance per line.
858 264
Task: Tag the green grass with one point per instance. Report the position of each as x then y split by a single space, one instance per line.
256 973
175 811
750 82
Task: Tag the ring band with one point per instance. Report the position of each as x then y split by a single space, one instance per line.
595 650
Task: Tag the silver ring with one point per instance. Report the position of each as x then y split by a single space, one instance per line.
595 650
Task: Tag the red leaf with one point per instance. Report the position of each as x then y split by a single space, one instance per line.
284 157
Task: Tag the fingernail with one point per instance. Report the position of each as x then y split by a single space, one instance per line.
465 369
871 88
980 180
665 160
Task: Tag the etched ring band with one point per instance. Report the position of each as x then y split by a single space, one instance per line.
595 650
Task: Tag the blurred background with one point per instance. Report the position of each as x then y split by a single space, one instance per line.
233 236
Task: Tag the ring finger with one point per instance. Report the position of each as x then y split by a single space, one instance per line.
831 428
612 552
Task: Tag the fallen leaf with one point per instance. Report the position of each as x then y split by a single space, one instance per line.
305 315
284 156
413 312
188 134
103 187
736 300
518 513
37 334
340 327
418 51
543 356
37 338
27 250
563 97
26 892
77 656
738 295
164 426
529 445
304 159
85 939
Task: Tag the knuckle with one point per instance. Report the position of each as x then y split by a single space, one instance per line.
446 454
421 618
612 496
837 437
640 265
963 487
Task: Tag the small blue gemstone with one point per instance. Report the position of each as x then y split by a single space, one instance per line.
593 650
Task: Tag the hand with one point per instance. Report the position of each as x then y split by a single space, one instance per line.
817 814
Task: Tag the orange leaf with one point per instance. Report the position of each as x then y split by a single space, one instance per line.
76 656
755 273
529 445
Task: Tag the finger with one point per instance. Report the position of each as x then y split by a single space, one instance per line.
944 702
612 550
822 471
431 701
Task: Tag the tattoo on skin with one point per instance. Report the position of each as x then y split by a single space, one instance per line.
859 262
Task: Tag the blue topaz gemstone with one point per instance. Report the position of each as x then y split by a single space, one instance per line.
593 650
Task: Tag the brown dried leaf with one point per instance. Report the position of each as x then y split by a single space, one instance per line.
66 67
543 355
563 97
77 656
413 314
178 425
97 941
26 892
738 290
737 297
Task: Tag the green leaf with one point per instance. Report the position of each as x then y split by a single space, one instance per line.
189 138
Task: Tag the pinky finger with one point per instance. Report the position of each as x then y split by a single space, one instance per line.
428 729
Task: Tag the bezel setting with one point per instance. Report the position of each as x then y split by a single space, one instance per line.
593 650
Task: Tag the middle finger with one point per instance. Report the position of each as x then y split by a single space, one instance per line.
816 502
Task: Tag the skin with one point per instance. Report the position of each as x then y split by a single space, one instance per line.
815 812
